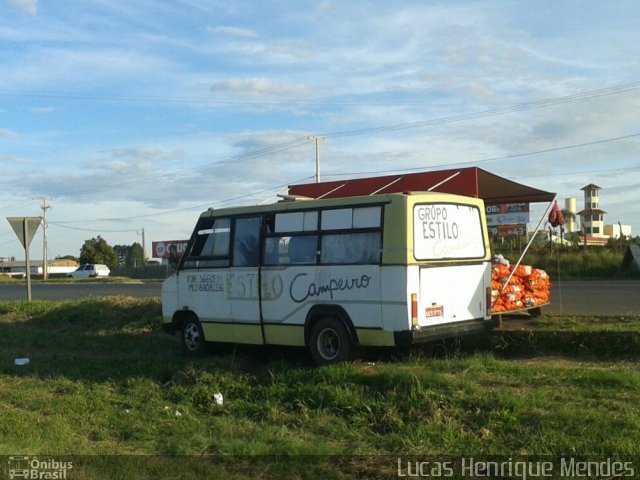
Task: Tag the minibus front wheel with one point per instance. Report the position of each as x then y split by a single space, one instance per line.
329 342
192 336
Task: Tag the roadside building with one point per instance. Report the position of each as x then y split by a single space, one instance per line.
617 230
592 217
592 220
16 268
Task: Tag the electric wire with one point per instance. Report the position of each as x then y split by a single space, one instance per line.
491 159
237 159
192 207
614 89
622 88
56 224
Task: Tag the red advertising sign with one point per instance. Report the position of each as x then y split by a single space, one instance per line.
508 231
502 208
161 249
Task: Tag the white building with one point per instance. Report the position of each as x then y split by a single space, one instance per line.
617 230
592 217
592 220
54 267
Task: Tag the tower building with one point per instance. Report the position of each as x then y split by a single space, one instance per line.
592 217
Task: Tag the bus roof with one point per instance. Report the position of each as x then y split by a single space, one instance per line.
306 204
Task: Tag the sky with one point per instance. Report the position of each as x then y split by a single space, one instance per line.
127 116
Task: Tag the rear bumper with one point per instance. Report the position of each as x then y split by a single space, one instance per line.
438 332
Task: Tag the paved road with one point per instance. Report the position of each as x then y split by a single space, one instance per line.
569 298
595 298
76 291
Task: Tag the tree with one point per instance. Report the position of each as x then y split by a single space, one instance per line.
130 255
136 255
96 250
67 257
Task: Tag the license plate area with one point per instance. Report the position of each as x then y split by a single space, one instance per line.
434 311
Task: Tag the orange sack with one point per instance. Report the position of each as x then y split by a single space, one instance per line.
527 287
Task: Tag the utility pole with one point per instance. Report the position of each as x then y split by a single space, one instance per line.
144 250
44 207
317 141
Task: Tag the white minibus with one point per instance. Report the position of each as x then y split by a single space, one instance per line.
334 275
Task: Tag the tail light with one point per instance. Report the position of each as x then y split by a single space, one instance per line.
414 309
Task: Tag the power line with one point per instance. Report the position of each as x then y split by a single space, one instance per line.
620 88
193 207
200 101
19 204
604 170
236 159
57 224
616 89
376 172
492 159
200 206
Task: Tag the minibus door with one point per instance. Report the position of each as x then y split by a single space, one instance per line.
243 281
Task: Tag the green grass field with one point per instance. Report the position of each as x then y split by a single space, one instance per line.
103 379
576 263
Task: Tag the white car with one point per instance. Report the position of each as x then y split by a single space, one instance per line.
90 270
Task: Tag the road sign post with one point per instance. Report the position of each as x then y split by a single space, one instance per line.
26 228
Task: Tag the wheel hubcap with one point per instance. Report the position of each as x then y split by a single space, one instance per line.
191 336
328 344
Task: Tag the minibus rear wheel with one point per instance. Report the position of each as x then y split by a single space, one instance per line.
192 336
329 342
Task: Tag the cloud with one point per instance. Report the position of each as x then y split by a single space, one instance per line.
233 31
42 110
30 7
8 134
82 66
146 154
260 88
165 177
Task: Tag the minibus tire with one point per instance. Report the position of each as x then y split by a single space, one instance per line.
329 342
192 337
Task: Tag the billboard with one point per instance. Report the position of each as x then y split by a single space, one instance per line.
507 214
508 231
161 249
507 219
502 208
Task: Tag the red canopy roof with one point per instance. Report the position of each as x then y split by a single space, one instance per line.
471 182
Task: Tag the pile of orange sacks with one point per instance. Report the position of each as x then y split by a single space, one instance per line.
527 288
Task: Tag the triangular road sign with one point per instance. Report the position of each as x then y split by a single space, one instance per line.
19 223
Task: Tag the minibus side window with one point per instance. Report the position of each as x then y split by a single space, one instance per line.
246 242
291 250
349 236
211 244
358 248
352 236
287 242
